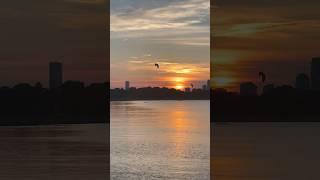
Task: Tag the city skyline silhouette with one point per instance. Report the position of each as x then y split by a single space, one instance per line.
302 80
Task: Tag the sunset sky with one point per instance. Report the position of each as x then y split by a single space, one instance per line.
277 37
35 32
173 33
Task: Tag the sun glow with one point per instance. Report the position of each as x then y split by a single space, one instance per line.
179 87
179 82
179 79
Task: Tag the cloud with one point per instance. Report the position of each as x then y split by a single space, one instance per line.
144 64
173 16
147 55
168 68
136 61
190 41
182 18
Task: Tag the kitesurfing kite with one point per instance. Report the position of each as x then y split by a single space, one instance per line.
191 86
262 75
157 65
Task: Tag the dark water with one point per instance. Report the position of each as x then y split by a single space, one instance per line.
266 151
61 152
160 140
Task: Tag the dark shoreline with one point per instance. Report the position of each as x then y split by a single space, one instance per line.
60 124
37 123
157 93
72 103
281 104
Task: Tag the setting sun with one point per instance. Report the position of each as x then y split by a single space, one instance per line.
179 87
179 82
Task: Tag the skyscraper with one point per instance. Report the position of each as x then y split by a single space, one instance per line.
127 85
315 73
55 75
204 87
208 85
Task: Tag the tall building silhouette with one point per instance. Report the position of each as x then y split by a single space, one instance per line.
204 87
208 85
55 75
127 85
302 82
315 73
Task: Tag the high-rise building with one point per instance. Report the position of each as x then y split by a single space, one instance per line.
208 85
204 87
248 89
302 82
55 75
315 73
127 85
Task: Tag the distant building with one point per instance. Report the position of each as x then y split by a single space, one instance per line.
267 88
248 89
55 75
315 73
302 82
208 85
127 85
204 87
187 89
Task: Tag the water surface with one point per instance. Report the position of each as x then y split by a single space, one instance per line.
55 152
266 151
160 140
